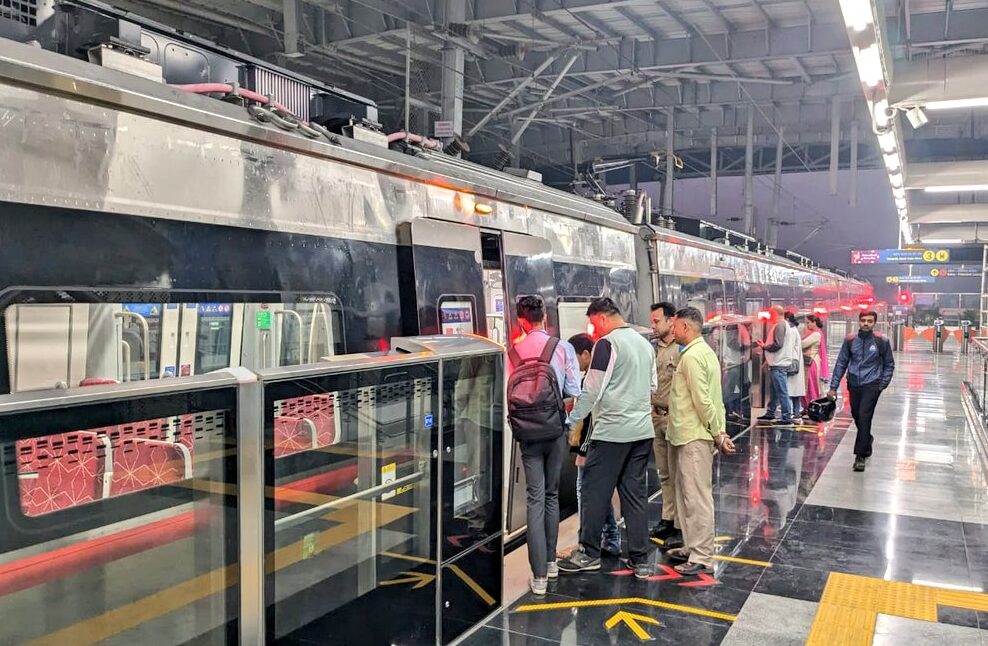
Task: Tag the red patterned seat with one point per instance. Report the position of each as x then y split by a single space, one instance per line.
321 410
292 435
60 471
140 464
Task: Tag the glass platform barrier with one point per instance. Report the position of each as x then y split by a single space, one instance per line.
356 500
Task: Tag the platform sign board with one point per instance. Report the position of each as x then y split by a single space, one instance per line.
909 280
898 256
959 272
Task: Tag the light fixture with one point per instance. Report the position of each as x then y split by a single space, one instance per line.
957 104
900 202
899 193
903 218
917 118
870 65
483 209
942 241
892 162
895 179
956 188
907 233
886 141
857 14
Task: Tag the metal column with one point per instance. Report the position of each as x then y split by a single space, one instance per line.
854 164
713 172
670 163
834 142
749 146
773 241
455 11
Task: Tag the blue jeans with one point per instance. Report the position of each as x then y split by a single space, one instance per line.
611 536
778 380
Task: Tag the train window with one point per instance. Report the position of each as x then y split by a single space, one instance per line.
63 345
65 470
573 318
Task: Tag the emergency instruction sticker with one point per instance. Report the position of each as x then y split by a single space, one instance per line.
389 473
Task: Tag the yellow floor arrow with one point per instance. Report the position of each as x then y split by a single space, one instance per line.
631 620
420 579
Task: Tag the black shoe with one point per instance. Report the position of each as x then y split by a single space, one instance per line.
678 555
664 530
674 542
579 561
766 418
693 569
642 570
859 464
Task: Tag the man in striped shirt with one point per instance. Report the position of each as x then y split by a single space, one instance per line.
617 389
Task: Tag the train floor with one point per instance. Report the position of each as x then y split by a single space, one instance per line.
809 551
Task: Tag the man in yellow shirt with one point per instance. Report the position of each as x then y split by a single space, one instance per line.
696 431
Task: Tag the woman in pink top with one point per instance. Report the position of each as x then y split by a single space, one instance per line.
813 357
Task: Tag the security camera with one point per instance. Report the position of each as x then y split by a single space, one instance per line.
917 118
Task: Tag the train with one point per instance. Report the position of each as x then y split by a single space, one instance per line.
164 214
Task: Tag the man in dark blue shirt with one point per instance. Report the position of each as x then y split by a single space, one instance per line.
867 359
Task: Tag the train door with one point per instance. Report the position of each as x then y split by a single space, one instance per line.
142 327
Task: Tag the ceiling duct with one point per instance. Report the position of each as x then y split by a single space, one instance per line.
921 82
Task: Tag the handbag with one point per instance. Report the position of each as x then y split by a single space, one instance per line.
793 368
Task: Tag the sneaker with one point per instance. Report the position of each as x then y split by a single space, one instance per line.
664 530
674 541
786 422
859 464
539 585
768 417
552 570
579 561
642 570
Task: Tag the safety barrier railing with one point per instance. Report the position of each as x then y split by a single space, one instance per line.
244 507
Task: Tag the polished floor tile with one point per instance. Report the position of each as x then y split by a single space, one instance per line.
789 512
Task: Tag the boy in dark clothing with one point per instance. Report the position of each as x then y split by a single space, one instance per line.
867 359
611 538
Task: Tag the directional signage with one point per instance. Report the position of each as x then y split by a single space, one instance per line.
910 280
958 272
633 621
898 256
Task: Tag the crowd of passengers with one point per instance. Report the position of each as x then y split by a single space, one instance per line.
639 403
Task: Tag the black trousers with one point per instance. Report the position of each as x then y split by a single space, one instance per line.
621 465
863 402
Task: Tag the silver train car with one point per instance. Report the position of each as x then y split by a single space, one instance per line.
149 233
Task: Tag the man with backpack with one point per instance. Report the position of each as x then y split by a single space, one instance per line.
867 359
617 388
542 372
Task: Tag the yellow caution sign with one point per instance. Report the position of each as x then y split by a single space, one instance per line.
631 620
850 605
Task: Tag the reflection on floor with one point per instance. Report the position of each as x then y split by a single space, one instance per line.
810 551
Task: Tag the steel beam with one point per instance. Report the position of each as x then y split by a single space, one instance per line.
777 185
713 172
749 161
290 18
455 11
834 143
667 201
511 95
552 88
854 164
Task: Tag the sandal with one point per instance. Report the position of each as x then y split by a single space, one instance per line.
692 569
678 554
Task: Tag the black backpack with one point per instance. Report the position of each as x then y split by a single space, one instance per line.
535 403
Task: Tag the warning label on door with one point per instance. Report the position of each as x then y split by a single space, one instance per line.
389 473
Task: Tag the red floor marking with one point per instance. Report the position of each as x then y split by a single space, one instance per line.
622 572
670 574
703 580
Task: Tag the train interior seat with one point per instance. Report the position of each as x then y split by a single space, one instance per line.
60 471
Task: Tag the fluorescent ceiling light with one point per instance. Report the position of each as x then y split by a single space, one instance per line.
956 104
857 14
886 141
900 202
956 188
869 65
907 234
892 162
899 193
942 241
895 179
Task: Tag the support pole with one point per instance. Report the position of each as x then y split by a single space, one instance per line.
289 16
511 95
854 163
713 172
453 63
633 176
408 79
834 142
749 147
777 186
670 163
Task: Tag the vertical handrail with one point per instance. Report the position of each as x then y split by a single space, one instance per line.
125 352
250 505
145 337
317 308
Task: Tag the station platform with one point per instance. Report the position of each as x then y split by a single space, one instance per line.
809 551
